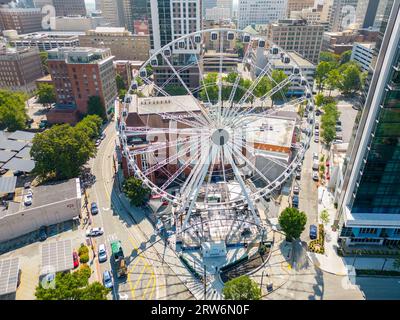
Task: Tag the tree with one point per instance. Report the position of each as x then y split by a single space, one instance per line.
321 73
122 93
351 75
328 122
278 76
120 82
95 106
241 288
325 56
239 48
324 216
12 110
319 99
175 90
46 94
43 59
333 80
292 222
209 87
137 193
345 57
149 70
61 151
73 286
263 87
90 125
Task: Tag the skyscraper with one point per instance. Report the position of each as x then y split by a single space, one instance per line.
369 203
260 12
343 14
169 20
69 7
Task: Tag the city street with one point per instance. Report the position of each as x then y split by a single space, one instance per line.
147 278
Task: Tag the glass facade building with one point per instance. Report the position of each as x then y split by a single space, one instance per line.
369 203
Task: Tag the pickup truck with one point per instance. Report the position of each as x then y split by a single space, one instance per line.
119 258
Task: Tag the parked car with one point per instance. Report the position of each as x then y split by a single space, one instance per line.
42 233
336 141
103 136
18 173
27 185
107 279
338 129
298 175
94 232
75 257
27 199
97 143
295 201
338 123
296 190
315 156
313 232
43 124
102 253
316 139
318 112
316 133
93 208
316 125
315 176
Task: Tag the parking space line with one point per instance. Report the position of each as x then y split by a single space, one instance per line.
140 277
148 285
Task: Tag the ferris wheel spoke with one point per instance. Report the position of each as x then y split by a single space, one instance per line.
200 121
242 184
171 159
221 43
192 197
157 146
178 172
203 110
210 173
249 163
253 152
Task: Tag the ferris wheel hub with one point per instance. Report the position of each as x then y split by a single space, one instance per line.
220 137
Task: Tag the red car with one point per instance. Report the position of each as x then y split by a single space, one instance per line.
76 259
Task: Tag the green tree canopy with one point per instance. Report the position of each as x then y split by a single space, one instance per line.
136 191
43 59
73 286
333 80
46 94
95 106
328 121
242 288
321 73
278 76
91 125
120 82
209 87
292 222
175 90
351 78
12 110
324 216
328 57
345 57
61 151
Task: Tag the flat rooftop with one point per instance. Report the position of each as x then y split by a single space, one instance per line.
276 131
157 105
46 194
296 58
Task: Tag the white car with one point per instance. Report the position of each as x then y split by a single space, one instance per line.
94 232
28 199
102 253
315 176
315 156
296 190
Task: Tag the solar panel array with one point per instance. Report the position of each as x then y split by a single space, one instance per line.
57 255
9 270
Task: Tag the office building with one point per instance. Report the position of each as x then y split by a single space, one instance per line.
19 69
69 7
123 44
22 20
79 23
298 5
297 35
77 74
369 201
366 13
169 20
342 15
363 53
260 12
113 12
45 41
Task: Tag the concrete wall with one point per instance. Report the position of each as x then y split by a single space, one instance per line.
28 220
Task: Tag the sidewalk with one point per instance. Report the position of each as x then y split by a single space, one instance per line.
329 262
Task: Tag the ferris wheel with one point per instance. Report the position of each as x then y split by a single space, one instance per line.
220 120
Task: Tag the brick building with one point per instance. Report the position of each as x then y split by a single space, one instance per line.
77 74
19 69
24 20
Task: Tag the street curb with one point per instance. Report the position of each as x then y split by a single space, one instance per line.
330 272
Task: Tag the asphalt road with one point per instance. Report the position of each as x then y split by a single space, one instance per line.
148 276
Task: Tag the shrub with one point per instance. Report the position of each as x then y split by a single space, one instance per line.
84 258
83 250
